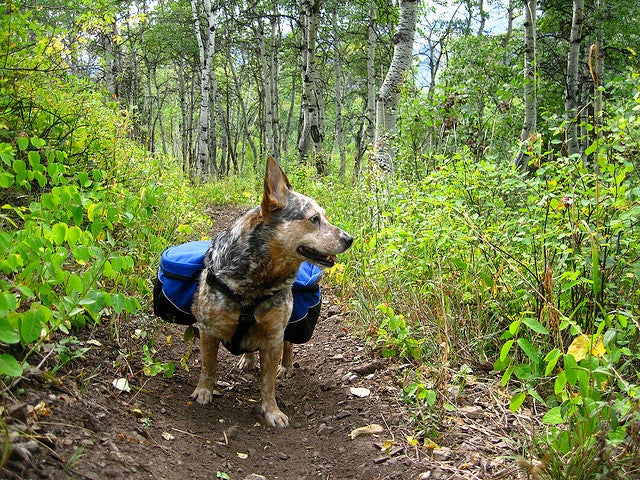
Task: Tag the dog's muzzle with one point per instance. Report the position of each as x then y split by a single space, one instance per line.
324 259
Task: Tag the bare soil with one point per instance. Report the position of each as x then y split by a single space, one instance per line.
76 424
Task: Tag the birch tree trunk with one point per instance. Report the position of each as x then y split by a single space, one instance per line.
530 100
274 72
312 132
371 76
389 93
337 72
206 45
185 124
366 133
243 108
267 101
571 100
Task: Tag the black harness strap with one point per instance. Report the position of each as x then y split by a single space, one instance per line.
247 308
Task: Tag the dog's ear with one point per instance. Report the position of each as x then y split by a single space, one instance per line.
276 186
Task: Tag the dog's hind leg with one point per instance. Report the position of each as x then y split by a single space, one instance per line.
269 359
205 390
247 362
286 365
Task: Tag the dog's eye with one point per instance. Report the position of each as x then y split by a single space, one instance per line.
315 219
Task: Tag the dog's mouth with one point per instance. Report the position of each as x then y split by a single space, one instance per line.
317 257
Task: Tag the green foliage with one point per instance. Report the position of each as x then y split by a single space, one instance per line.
538 274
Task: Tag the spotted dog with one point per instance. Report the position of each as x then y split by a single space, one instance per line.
244 297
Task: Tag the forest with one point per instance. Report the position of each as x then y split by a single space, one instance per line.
483 153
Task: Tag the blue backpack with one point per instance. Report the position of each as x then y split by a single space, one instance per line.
179 273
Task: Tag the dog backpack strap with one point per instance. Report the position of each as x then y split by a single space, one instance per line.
245 321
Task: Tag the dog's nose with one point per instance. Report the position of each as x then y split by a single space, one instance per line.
347 239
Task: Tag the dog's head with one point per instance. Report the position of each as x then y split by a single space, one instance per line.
299 224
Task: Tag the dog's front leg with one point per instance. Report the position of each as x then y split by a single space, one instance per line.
269 359
286 365
205 390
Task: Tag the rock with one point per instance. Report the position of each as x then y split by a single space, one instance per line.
367 368
442 453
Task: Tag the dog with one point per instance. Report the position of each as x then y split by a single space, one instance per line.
244 297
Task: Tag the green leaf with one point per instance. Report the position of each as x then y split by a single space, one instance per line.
591 148
23 143
7 303
59 233
504 351
535 325
553 417
10 366
31 323
571 369
516 401
34 158
529 350
560 383
8 333
552 359
6 179
117 302
74 284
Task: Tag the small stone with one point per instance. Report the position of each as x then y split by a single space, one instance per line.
442 453
380 459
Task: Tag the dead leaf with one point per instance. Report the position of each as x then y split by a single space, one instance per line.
168 436
121 384
580 346
370 429
430 444
472 411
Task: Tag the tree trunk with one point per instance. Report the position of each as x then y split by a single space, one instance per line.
337 72
508 32
267 102
243 108
530 100
312 132
571 100
274 75
389 93
371 76
206 46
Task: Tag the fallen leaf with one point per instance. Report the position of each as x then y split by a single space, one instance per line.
367 430
168 436
121 384
430 444
361 392
472 411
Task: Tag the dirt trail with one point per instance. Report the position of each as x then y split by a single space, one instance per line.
79 426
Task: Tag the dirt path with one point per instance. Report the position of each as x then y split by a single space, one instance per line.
80 426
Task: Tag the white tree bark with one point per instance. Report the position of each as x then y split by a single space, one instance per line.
389 93
371 76
530 100
312 129
573 79
337 73
206 46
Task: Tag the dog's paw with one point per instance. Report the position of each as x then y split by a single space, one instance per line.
247 362
204 395
275 418
285 372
